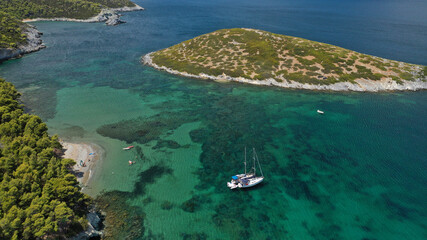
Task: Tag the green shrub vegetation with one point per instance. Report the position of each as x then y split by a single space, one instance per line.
79 9
39 198
405 76
259 55
114 3
424 73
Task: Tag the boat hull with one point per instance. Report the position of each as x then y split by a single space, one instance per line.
252 182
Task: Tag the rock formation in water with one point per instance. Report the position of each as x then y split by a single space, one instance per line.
94 227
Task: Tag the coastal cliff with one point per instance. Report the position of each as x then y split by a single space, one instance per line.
263 58
33 43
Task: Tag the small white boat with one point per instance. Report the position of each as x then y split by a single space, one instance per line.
320 112
127 148
246 180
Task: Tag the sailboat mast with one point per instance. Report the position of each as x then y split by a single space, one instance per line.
254 161
245 160
259 165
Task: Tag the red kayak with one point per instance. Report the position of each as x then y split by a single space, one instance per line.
127 148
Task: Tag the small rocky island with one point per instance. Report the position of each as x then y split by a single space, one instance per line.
264 58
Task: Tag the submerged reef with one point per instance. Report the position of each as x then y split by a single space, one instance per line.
311 182
122 220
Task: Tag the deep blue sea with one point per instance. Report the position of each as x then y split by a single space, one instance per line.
357 172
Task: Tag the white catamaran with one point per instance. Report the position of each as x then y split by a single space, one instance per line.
247 179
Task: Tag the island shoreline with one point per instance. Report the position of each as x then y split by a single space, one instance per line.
360 86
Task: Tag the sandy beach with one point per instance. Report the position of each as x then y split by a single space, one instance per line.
86 156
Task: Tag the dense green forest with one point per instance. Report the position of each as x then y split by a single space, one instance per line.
10 31
114 3
79 9
39 198
12 11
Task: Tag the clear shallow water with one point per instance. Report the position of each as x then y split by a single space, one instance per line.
359 171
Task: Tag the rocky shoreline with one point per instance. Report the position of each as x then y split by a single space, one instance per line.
359 86
95 226
34 43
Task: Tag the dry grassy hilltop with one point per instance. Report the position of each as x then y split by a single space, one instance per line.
264 58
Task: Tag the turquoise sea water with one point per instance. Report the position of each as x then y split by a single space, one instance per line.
357 172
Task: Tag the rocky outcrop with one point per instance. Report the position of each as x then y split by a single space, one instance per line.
94 228
110 16
114 20
359 85
33 43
